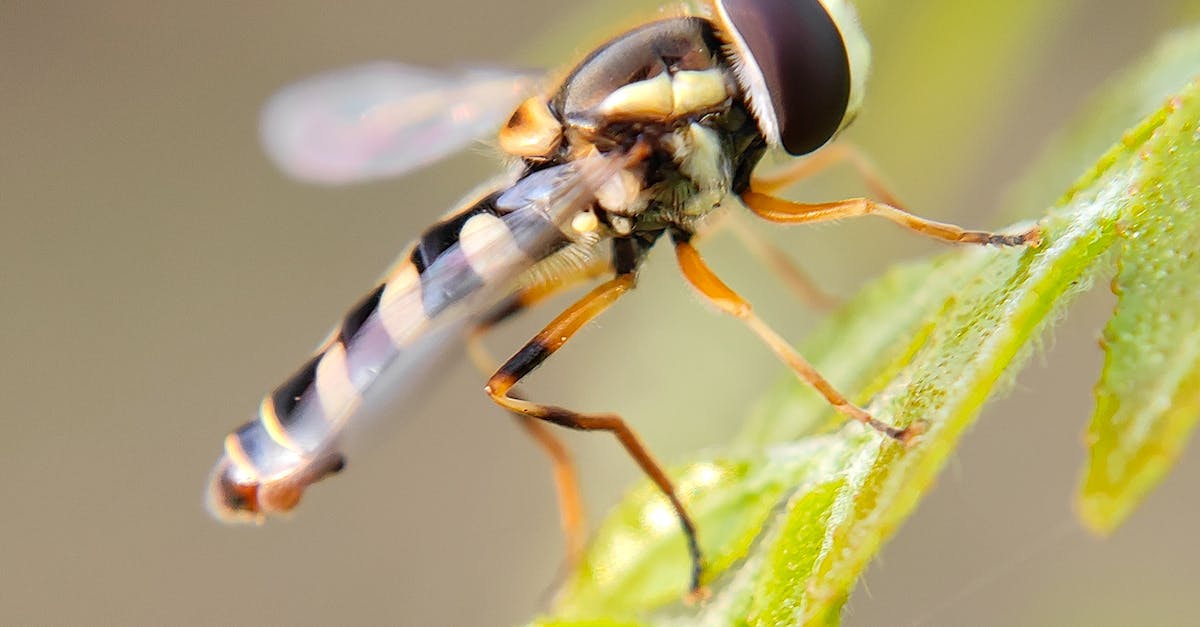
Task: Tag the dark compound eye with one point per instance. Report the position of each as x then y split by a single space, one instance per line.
801 62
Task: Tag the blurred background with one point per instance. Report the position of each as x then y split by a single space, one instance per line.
158 275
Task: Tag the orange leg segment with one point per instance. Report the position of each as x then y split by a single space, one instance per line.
783 211
572 514
720 295
544 344
825 158
778 261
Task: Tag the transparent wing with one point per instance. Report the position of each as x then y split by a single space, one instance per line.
388 346
421 318
473 274
383 119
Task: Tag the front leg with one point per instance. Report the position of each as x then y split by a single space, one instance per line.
834 154
783 211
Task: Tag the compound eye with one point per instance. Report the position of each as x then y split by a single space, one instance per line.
802 64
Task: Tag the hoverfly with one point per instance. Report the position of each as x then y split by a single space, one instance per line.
650 135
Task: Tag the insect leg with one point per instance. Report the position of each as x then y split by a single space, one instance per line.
828 157
544 344
771 256
566 483
783 211
720 295
572 516
549 286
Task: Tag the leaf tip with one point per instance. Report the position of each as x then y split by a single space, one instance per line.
1099 514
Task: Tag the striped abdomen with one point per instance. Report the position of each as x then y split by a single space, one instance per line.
452 275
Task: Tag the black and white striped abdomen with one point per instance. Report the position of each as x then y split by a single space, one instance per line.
390 339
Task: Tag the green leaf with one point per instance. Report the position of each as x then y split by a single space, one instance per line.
788 413
790 518
1148 398
982 328
634 561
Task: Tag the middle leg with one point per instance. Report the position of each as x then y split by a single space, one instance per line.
544 344
572 515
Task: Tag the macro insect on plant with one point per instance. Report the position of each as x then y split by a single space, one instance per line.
651 136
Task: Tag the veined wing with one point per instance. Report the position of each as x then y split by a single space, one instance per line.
383 119
383 348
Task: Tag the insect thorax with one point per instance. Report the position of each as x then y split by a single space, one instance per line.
669 86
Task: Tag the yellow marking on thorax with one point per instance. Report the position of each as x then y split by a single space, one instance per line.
532 131
645 99
666 96
696 91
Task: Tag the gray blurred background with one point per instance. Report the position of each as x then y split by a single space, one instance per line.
158 276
